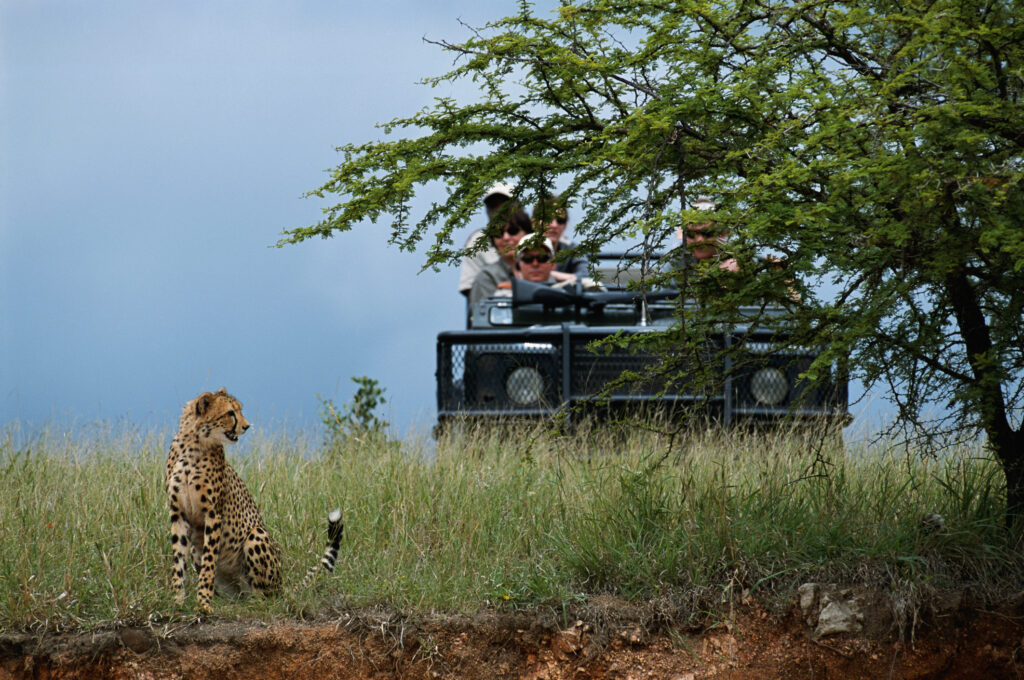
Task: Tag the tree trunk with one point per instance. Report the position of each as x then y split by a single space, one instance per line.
1008 447
1006 443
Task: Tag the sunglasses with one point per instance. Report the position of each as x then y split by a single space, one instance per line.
535 259
562 220
706 233
512 230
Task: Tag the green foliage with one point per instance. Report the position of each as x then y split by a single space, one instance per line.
356 421
873 149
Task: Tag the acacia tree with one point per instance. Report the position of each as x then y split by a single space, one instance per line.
875 148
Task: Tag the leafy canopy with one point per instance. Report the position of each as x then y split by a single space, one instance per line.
873 148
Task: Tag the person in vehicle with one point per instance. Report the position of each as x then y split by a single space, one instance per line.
535 262
551 217
505 238
703 240
495 199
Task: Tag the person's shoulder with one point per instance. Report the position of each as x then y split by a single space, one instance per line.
498 267
474 237
493 269
480 259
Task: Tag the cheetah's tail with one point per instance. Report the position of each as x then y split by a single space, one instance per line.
335 528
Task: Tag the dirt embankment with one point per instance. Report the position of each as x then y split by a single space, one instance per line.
747 643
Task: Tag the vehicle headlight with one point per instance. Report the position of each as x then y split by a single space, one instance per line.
769 386
500 316
524 385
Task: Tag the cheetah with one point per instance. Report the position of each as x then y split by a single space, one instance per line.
213 513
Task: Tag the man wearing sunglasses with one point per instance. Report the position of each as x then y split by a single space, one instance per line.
704 239
535 262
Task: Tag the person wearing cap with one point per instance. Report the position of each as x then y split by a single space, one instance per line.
551 217
536 262
703 240
499 274
495 200
704 248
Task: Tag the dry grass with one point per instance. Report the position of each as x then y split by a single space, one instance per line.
499 518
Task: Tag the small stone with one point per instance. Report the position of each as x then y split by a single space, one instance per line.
808 593
838 617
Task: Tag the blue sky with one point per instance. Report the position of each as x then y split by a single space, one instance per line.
151 155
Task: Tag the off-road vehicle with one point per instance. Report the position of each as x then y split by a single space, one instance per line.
533 354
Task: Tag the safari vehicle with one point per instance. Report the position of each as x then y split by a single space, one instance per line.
532 355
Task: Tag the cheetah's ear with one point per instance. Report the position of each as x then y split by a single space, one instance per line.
203 403
222 390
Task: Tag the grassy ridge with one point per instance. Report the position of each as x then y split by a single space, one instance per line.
497 519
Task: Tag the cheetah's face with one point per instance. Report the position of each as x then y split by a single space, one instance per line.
220 417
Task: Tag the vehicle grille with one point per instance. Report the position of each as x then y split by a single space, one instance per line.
591 372
507 373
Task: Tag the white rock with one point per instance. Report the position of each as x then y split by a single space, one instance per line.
838 617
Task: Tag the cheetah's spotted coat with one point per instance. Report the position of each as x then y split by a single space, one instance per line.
213 515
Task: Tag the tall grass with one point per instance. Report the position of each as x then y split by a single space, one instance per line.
502 518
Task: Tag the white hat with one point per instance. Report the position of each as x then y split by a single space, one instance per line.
529 244
703 203
501 189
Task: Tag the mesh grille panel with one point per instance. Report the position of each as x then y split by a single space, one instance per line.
591 372
496 375
505 377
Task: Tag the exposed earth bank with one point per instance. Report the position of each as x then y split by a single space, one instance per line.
746 642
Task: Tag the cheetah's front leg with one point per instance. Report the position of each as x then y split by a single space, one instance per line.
179 546
208 569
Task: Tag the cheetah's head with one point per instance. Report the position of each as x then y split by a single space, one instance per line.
219 417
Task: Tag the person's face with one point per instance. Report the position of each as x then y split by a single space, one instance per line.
555 228
702 240
507 241
536 265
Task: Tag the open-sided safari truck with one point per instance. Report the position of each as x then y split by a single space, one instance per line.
534 354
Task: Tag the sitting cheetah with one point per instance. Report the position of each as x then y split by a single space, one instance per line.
213 513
